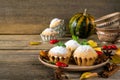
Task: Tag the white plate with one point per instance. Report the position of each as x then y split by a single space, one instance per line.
74 67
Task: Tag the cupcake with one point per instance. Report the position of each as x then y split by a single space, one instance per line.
58 25
59 53
48 34
85 55
72 45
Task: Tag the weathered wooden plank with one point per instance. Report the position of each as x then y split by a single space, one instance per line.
23 67
21 42
19 37
32 16
19 52
19 60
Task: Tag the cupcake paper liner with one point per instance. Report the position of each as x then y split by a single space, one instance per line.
61 59
47 37
84 61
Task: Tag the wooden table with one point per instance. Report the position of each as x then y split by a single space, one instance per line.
19 60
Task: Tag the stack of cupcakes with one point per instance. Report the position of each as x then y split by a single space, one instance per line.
58 25
56 29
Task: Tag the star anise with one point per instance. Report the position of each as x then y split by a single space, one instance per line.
108 53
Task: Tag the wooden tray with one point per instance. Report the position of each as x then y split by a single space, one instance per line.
74 67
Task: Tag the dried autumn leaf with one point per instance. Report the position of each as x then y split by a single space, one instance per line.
43 53
115 59
88 75
97 48
35 43
92 43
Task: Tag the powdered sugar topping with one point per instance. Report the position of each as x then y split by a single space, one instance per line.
72 44
85 50
49 31
58 50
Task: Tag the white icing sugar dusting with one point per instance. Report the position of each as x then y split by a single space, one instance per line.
48 31
85 50
72 44
58 50
54 20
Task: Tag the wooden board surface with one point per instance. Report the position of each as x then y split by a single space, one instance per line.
19 61
22 42
33 16
23 65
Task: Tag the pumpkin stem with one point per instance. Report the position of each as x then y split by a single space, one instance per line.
85 12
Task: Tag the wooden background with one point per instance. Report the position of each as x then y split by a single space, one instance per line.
33 16
19 59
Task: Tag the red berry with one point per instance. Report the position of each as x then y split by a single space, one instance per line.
104 47
114 47
53 41
61 64
109 47
99 52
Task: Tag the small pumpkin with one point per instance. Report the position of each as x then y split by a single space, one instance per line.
82 25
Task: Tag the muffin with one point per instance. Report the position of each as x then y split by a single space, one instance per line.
48 34
58 25
59 53
72 45
85 55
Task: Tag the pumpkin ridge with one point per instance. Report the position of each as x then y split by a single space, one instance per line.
73 24
79 23
82 29
89 27
87 24
92 24
72 19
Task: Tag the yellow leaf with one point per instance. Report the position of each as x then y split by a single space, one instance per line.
97 49
88 75
92 43
34 43
84 75
115 59
118 51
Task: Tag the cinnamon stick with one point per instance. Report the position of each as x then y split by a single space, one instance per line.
107 74
60 75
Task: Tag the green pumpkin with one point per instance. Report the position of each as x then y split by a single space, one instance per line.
82 25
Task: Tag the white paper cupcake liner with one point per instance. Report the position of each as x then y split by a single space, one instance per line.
47 38
61 59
